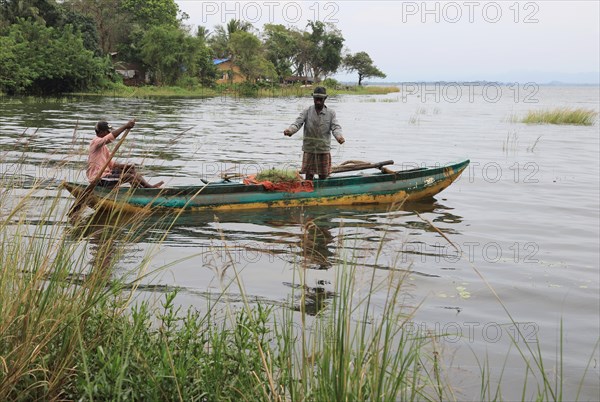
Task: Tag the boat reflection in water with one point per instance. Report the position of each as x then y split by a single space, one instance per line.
310 238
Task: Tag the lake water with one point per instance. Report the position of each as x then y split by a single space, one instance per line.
525 214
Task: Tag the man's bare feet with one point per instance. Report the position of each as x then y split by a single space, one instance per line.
157 185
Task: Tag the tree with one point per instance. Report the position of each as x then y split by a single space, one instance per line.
170 53
150 13
112 25
205 68
325 52
247 55
301 60
361 63
14 77
203 33
87 27
47 12
51 14
282 46
219 41
238 25
122 23
42 60
144 16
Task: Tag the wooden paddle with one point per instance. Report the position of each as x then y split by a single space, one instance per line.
82 199
350 166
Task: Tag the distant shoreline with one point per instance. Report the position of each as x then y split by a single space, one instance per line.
344 88
503 83
236 91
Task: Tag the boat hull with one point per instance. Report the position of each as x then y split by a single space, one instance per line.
377 188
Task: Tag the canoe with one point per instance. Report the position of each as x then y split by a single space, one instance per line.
385 187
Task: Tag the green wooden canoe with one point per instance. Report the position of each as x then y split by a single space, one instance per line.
362 189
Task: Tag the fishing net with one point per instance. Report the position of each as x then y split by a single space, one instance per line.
295 186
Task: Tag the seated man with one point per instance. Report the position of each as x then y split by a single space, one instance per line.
115 173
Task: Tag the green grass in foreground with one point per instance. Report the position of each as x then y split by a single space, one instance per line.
70 329
579 116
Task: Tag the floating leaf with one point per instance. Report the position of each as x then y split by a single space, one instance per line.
462 292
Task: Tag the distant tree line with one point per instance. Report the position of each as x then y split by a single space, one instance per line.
54 47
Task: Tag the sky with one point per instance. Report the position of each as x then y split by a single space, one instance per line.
412 41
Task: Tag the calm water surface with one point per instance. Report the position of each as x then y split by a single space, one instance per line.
525 215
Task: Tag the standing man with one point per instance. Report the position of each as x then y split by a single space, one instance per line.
319 123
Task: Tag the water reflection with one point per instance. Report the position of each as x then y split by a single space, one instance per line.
311 299
312 234
108 237
314 239
316 244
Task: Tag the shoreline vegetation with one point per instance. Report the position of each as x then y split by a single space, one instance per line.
75 326
152 43
235 90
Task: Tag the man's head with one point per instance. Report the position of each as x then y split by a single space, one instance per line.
319 96
103 128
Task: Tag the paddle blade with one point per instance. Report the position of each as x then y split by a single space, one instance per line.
81 200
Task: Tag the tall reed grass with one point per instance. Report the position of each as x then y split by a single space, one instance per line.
69 329
56 280
72 329
577 116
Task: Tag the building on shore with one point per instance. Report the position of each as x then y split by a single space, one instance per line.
229 72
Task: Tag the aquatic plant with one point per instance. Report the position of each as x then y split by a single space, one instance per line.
578 116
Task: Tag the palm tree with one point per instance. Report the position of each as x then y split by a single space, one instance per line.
238 25
203 33
219 41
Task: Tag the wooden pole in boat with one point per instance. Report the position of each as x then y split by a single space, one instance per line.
82 199
349 166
